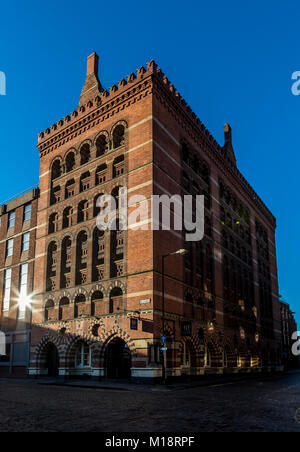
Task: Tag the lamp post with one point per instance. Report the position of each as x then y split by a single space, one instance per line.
26 302
181 252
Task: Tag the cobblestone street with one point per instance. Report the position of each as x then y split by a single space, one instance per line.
263 404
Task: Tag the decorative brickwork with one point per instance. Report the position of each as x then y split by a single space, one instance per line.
98 294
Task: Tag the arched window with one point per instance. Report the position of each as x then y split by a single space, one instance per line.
80 306
82 355
48 307
117 251
53 223
63 302
83 211
56 169
70 162
97 297
98 254
115 300
118 136
101 145
66 261
81 258
68 217
118 166
85 154
51 266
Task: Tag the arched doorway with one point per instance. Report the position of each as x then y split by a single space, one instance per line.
118 360
52 360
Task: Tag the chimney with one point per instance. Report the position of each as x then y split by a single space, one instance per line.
92 86
92 64
228 134
228 148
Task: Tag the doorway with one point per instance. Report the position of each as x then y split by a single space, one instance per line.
52 361
118 360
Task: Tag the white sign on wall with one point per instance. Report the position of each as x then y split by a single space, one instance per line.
145 301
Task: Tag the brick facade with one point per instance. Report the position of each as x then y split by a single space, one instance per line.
15 322
98 297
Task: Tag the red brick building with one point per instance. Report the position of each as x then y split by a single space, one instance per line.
98 296
17 253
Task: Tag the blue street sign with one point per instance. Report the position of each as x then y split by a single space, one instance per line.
163 349
164 339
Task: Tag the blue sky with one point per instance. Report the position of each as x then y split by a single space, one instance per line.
232 61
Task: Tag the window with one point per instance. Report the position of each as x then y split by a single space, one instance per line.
9 247
56 170
118 136
53 223
23 290
7 286
70 162
102 145
82 355
67 217
133 324
207 357
186 355
25 241
27 212
11 219
85 154
83 211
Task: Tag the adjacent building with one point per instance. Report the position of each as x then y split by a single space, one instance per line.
17 253
289 327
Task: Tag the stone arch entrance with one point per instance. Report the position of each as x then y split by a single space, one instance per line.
52 360
118 360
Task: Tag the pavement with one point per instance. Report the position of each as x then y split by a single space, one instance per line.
260 403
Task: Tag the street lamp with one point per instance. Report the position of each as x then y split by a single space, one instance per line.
181 252
25 302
